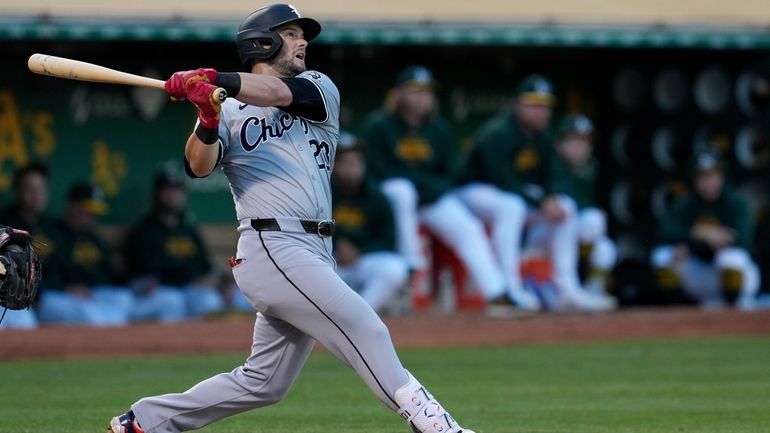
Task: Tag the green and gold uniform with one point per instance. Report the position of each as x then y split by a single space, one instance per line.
176 256
364 218
79 258
580 183
425 156
729 210
502 155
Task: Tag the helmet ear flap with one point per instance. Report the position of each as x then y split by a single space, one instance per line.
257 45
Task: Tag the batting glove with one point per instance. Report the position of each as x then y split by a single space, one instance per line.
179 84
201 94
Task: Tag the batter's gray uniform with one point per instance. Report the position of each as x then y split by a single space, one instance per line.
278 166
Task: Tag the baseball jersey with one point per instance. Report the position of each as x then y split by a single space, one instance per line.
425 155
504 156
580 183
175 255
278 164
364 217
730 210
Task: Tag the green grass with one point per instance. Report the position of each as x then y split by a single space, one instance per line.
699 386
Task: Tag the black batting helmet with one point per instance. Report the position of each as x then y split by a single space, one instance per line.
257 40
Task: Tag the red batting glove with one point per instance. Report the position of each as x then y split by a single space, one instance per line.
179 84
201 94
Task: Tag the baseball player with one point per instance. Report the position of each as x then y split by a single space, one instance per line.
410 150
364 242
275 139
574 144
510 182
705 238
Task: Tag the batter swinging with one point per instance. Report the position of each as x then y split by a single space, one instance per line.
275 143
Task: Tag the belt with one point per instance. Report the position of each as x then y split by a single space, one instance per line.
323 228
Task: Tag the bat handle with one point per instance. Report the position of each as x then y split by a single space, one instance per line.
218 95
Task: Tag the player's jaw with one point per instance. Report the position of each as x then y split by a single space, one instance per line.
290 62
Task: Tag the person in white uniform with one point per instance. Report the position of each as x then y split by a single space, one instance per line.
275 139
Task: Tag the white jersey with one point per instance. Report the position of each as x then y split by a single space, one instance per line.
279 165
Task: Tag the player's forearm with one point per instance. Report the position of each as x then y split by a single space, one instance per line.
264 91
201 157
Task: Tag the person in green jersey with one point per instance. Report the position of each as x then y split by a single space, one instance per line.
704 241
81 280
513 181
411 151
574 145
167 259
364 240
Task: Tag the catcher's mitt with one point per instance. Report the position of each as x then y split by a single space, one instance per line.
19 269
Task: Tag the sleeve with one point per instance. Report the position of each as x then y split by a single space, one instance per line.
315 98
675 226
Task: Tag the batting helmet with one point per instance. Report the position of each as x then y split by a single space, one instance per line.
257 40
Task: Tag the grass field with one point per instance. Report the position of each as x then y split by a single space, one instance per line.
716 385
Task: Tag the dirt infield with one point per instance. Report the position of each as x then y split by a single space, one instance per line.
233 334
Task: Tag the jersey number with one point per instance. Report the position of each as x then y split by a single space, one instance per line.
321 153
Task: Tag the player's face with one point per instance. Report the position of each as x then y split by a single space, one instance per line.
33 193
291 60
709 184
575 149
349 168
417 103
534 117
172 199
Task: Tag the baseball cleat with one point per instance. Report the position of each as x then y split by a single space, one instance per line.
125 423
503 307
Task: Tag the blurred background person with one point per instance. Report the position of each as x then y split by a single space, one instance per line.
80 278
27 211
167 259
511 182
411 151
704 241
574 145
364 240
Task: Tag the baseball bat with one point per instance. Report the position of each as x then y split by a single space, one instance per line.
70 69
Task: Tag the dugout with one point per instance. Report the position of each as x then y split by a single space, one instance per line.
660 81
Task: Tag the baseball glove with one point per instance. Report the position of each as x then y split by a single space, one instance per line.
19 269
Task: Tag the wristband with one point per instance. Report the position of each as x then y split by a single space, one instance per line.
206 135
230 81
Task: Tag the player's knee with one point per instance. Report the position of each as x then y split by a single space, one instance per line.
732 258
568 205
593 224
512 207
394 269
604 254
400 191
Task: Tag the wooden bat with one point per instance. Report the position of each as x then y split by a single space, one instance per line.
62 67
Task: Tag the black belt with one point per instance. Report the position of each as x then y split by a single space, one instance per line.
323 228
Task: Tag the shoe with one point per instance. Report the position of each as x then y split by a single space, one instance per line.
525 300
581 300
503 307
125 423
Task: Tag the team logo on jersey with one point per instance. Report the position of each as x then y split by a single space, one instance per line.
349 216
314 75
527 160
256 130
414 149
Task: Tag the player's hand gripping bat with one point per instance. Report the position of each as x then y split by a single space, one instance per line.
61 67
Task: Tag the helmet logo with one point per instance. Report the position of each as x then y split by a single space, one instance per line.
293 9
